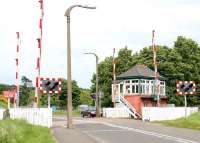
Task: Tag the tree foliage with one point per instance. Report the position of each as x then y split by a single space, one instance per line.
6 87
25 94
180 62
85 97
3 87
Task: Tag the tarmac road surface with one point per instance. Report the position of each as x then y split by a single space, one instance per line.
88 130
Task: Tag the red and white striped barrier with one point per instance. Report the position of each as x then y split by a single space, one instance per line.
39 40
16 100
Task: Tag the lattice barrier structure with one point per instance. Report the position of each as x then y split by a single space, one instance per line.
186 87
50 85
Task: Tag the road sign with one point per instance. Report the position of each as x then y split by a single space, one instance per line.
50 85
93 95
186 88
101 94
54 109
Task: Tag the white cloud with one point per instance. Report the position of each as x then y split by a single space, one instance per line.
113 24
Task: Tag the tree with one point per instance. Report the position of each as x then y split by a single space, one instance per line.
2 88
190 63
105 80
124 60
5 87
85 97
25 96
26 82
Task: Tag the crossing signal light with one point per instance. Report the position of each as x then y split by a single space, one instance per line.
182 86
53 85
47 83
186 87
50 85
191 85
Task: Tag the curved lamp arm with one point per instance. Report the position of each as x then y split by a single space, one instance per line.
67 13
93 54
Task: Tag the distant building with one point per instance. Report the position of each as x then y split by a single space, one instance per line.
9 94
137 87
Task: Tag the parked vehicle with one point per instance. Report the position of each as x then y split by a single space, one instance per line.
90 112
83 107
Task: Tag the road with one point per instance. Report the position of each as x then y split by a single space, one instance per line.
127 131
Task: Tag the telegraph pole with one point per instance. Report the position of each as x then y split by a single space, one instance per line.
156 87
114 80
98 114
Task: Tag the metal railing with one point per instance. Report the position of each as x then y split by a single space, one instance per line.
132 110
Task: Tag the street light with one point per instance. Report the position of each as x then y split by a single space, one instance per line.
97 88
69 83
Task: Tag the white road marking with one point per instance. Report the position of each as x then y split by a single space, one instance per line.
158 135
96 131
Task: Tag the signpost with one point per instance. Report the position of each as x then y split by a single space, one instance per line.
186 88
101 94
50 86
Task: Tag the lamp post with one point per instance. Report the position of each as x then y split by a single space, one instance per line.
97 86
69 83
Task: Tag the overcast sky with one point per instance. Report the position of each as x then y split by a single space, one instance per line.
114 24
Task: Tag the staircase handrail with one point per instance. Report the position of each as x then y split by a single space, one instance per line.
129 105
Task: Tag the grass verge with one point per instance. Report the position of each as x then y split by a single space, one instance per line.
191 122
63 112
19 131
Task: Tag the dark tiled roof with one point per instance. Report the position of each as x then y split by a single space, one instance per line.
139 71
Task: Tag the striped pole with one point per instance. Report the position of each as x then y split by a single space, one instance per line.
39 40
114 79
16 98
157 85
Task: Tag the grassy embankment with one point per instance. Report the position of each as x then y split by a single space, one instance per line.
191 122
19 131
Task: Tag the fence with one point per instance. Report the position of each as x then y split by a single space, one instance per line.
1 113
115 113
165 113
35 116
